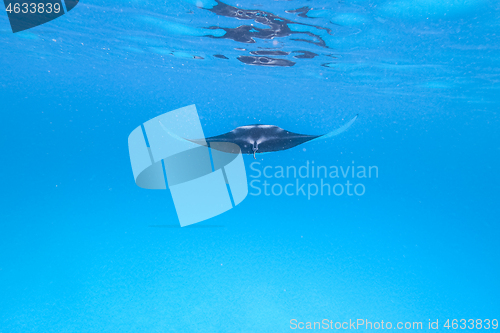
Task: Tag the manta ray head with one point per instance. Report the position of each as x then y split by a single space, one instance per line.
254 139
250 137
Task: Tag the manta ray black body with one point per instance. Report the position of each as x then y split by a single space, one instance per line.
255 139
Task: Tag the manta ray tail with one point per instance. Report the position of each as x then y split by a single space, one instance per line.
338 130
255 148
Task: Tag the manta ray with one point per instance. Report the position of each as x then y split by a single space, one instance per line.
257 139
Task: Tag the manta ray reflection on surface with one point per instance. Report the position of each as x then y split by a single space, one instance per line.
256 139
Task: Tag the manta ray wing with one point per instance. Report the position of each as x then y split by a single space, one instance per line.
338 130
284 142
260 139
289 140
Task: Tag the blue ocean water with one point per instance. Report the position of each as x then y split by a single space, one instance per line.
83 249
